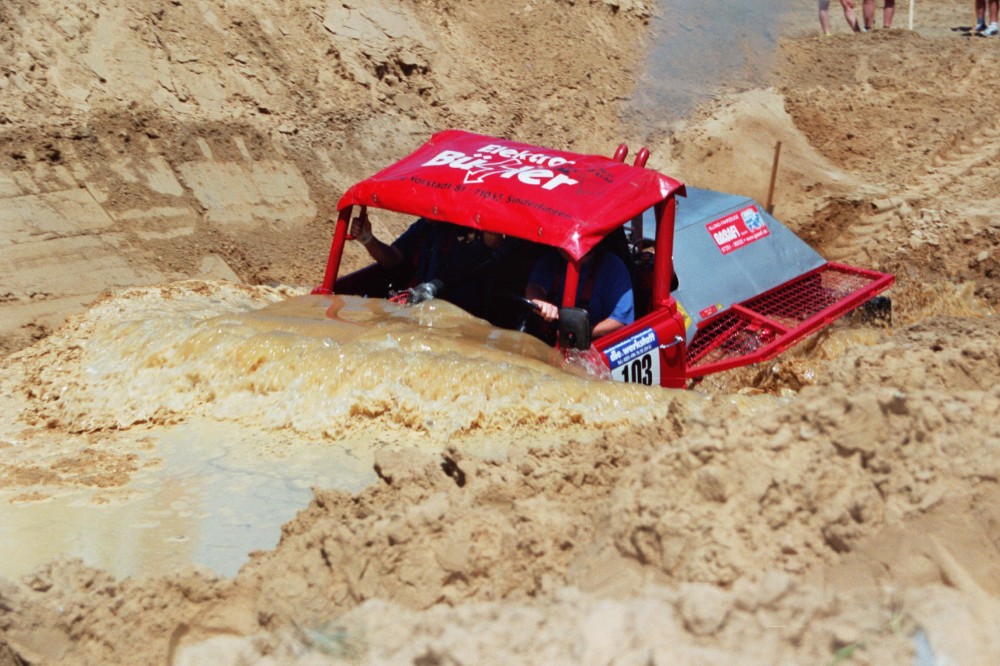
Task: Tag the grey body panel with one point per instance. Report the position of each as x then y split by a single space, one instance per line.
709 277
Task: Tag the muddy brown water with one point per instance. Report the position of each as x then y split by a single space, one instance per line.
232 403
234 407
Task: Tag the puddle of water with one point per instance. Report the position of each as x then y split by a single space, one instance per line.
218 492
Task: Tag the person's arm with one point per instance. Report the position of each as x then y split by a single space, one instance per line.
386 255
606 326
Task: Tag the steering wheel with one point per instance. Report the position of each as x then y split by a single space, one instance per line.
526 307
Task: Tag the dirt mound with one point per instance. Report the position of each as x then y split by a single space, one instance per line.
721 494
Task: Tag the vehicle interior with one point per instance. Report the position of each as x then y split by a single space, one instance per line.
505 281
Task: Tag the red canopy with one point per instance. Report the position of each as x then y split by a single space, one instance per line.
567 200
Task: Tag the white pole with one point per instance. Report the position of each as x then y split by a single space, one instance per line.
911 14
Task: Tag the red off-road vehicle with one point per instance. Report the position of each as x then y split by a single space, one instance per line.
718 281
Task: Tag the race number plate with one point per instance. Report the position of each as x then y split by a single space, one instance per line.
636 359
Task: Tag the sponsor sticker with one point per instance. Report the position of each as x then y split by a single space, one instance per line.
636 359
710 310
738 229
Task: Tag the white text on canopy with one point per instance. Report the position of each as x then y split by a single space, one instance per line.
483 163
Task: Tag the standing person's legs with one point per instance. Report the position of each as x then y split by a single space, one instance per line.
991 29
980 14
888 12
824 17
868 11
852 19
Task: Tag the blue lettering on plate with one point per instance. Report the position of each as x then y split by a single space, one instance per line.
631 348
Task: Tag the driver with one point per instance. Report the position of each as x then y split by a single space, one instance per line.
604 290
461 258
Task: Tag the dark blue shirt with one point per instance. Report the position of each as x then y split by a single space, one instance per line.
455 255
610 290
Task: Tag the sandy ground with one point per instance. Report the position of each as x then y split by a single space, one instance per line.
838 505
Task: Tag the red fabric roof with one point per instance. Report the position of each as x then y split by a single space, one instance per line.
554 197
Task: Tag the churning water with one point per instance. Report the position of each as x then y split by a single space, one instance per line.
235 402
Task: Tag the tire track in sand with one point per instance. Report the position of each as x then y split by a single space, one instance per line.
959 177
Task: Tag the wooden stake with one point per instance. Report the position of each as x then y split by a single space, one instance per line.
774 173
911 14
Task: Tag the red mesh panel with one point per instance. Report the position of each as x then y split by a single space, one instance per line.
727 337
765 325
802 299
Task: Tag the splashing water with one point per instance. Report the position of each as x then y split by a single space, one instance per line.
329 365
228 403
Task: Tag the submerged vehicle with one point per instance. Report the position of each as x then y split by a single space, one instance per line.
718 282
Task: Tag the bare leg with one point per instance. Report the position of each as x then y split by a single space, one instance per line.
824 17
852 19
868 11
980 11
994 7
888 12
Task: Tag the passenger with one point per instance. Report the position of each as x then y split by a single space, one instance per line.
605 289
460 258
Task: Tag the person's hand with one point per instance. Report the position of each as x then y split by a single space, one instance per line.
361 229
492 240
546 310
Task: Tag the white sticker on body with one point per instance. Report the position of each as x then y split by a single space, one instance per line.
636 359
